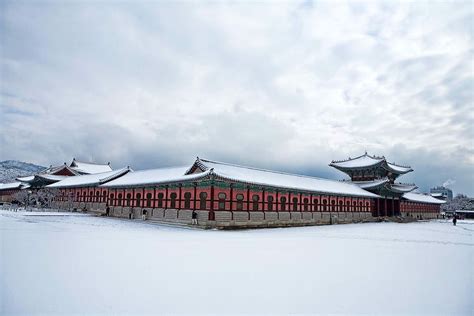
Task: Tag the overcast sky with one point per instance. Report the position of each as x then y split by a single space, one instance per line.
288 86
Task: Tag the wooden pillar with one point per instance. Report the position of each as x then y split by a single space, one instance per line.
231 200
179 197
166 198
195 192
290 202
231 196
277 202
248 200
301 203
212 197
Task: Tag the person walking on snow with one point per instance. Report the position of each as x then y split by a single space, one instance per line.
194 217
455 220
144 212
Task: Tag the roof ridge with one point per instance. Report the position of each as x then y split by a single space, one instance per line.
162 168
364 155
91 163
264 170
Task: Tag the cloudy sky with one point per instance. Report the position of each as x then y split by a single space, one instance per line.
288 86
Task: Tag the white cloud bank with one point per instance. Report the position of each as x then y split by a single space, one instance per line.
282 85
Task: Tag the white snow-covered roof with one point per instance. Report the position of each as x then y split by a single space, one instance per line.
398 169
89 179
89 168
154 176
402 188
366 160
25 179
419 197
56 169
281 180
436 194
52 177
370 184
11 185
358 162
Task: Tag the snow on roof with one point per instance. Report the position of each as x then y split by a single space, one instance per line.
399 169
419 197
55 169
359 162
154 176
89 179
51 177
370 184
25 179
11 185
257 176
89 168
366 160
437 194
402 188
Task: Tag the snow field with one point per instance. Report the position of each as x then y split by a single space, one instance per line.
92 265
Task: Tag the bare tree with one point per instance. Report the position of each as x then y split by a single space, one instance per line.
39 198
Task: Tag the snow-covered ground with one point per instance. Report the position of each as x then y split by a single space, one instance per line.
92 265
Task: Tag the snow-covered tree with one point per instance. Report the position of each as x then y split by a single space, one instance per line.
459 202
41 198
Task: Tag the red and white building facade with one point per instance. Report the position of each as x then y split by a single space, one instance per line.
227 195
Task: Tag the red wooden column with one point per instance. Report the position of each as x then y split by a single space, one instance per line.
248 202
393 206
277 202
300 202
211 213
385 201
231 200
194 203
289 203
166 198
179 196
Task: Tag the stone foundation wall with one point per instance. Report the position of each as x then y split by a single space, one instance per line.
422 215
237 219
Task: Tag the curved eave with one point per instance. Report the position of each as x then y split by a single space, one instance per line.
370 184
400 188
349 168
397 169
26 179
290 188
49 178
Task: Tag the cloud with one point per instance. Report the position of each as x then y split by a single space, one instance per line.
285 85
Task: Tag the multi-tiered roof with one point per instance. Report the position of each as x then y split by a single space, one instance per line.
54 174
375 174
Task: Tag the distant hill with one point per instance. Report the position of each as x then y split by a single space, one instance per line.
10 169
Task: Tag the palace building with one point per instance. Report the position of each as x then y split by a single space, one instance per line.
48 176
228 195
377 175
